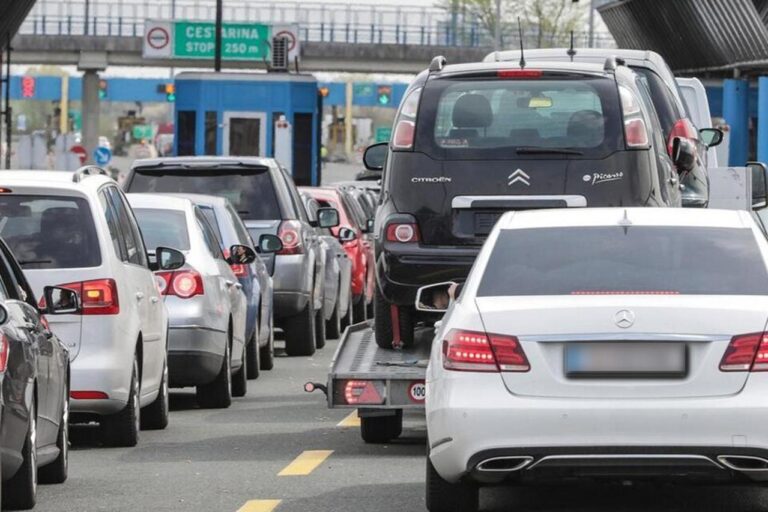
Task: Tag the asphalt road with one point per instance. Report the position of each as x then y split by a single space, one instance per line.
230 460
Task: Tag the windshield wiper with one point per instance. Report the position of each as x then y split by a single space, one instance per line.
547 151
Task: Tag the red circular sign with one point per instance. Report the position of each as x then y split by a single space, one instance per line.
291 36
417 391
80 152
158 38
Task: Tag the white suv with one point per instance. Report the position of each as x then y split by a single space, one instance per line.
77 231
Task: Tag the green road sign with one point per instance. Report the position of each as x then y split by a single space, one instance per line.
239 41
142 131
383 134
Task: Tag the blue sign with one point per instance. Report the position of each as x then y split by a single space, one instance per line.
102 155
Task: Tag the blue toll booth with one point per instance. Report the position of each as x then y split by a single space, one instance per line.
251 114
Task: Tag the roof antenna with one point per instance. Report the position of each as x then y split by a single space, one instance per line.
522 50
571 52
625 222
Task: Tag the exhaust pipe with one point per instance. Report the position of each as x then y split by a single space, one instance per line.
503 464
743 463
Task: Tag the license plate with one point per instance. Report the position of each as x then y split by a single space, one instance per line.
625 360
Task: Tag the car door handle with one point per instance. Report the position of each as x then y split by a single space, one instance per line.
238 286
229 283
139 296
153 300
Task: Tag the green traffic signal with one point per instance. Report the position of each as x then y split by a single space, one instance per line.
384 94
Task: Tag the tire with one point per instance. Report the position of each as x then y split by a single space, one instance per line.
20 492
320 328
155 415
359 311
333 326
381 429
300 333
267 352
240 378
218 394
444 496
382 319
252 357
122 429
56 472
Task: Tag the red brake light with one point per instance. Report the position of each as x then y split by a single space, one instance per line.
636 133
682 128
4 190
98 296
290 234
481 352
748 352
403 233
404 134
88 395
360 392
4 350
181 283
519 73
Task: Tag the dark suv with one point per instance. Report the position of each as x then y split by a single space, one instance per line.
473 141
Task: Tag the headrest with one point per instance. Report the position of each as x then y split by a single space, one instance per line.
472 111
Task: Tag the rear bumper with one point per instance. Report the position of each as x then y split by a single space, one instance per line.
463 427
402 270
195 355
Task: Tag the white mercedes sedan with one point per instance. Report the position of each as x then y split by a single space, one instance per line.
601 343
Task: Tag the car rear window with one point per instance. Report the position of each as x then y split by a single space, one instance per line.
625 260
250 191
480 118
163 228
46 232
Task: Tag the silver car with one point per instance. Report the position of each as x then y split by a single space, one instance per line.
206 305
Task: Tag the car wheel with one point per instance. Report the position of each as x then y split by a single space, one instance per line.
56 472
155 415
240 378
300 332
359 310
267 352
122 429
252 356
20 492
383 322
381 429
333 326
218 394
320 328
444 496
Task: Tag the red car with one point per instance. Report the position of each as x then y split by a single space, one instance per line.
359 247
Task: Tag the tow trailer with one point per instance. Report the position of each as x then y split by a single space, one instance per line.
379 383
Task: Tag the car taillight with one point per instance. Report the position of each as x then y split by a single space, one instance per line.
97 297
480 352
405 123
747 352
364 392
88 395
290 234
181 283
682 128
403 233
635 130
519 73
5 348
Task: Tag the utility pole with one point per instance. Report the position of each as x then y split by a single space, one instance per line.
591 23
87 16
497 28
217 57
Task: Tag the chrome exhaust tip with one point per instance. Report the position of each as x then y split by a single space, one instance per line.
743 463
504 464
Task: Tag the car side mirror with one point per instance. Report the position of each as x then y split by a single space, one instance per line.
375 156
683 155
327 217
61 301
241 255
436 298
759 184
269 244
169 259
711 137
347 235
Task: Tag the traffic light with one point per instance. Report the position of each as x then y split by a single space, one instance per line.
384 95
170 92
102 89
28 87
323 92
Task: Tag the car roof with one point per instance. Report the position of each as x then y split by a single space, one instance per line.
203 160
158 201
635 57
59 180
579 67
577 217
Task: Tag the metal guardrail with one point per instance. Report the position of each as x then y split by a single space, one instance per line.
318 22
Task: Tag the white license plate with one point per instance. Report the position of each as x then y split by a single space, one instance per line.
626 359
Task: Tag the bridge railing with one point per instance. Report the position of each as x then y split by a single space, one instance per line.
318 22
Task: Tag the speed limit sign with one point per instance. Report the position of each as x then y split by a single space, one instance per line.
417 391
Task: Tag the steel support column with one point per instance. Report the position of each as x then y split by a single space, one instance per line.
736 114
91 110
762 119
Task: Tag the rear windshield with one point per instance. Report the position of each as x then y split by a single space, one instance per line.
163 228
483 118
616 260
249 190
45 232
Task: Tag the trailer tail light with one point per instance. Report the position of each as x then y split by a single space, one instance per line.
635 130
475 351
97 297
684 129
180 283
88 395
405 123
290 234
4 349
747 352
404 233
364 392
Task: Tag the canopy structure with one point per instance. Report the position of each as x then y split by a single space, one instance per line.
12 14
694 35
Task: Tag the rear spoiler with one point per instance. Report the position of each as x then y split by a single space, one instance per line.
198 164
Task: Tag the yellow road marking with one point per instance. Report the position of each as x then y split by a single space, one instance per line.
305 463
259 506
353 420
